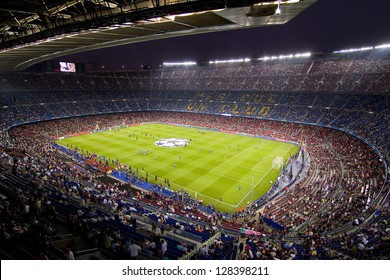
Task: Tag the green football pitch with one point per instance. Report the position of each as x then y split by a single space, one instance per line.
225 170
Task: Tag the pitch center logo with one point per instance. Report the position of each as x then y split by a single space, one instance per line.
171 142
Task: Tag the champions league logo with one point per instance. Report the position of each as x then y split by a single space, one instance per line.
172 142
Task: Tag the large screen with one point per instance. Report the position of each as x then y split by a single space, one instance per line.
67 67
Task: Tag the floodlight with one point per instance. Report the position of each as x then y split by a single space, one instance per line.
185 63
278 11
384 46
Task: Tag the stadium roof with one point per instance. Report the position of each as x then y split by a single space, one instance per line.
32 31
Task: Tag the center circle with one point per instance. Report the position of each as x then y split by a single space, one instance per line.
172 142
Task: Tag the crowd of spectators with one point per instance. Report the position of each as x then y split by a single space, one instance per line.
330 74
42 185
335 178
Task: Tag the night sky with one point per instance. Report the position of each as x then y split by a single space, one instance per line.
326 26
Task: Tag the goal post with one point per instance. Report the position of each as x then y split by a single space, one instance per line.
277 163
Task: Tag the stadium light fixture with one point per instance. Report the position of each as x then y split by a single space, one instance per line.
171 18
354 50
188 14
282 57
278 11
384 46
275 2
185 63
239 60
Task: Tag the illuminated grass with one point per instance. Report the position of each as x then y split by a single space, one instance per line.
220 168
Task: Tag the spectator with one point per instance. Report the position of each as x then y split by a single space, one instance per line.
68 254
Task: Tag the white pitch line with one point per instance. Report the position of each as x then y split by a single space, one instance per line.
259 182
232 178
201 194
254 167
230 159
253 187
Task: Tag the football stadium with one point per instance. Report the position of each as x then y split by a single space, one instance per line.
275 157
226 174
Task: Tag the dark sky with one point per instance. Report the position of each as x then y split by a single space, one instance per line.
326 26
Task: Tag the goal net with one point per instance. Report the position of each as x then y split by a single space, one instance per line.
277 163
